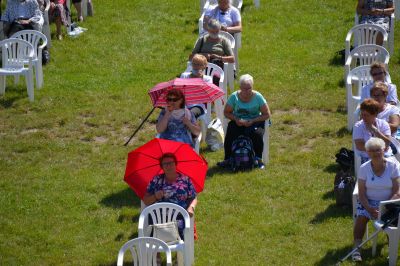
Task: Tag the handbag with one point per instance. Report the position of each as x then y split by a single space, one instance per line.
167 232
215 135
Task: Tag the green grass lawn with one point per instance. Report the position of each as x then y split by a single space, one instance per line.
62 160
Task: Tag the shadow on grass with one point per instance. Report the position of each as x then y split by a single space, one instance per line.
121 199
342 132
333 256
336 60
16 93
332 168
215 170
328 195
341 83
332 211
341 109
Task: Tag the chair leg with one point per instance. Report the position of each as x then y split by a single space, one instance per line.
16 80
393 249
374 243
187 258
38 76
180 258
29 85
2 85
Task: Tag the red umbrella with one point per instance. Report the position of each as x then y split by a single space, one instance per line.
196 90
143 164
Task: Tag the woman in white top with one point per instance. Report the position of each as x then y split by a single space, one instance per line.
378 180
388 112
226 14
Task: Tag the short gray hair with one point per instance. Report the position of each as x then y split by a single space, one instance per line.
246 79
375 143
213 24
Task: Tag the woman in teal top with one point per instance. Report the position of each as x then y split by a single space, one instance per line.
247 109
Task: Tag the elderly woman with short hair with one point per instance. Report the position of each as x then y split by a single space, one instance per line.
370 126
248 110
215 48
388 112
378 73
378 180
226 14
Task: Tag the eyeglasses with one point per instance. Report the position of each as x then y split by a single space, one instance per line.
168 163
377 73
172 100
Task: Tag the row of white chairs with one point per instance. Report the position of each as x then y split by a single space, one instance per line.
22 55
161 213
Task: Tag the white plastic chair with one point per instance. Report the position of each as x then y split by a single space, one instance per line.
168 212
364 34
257 3
144 251
393 233
391 29
15 54
265 154
38 41
46 23
365 55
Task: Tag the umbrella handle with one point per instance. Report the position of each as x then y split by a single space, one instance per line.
140 126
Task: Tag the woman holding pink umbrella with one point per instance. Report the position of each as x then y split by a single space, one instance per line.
176 122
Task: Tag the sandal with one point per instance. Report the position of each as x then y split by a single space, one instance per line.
356 257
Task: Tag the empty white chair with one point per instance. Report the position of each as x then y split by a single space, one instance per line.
144 251
393 233
168 212
391 29
364 34
16 54
365 55
38 41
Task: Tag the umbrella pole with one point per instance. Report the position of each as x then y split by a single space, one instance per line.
140 126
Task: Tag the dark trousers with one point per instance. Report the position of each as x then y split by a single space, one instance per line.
15 27
256 136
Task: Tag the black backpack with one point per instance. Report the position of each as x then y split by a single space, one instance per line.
345 158
343 188
243 156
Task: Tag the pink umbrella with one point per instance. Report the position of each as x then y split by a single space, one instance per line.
196 90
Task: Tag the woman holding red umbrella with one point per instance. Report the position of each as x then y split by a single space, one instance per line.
172 187
176 122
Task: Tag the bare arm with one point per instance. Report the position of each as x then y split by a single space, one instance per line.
162 123
360 144
193 127
237 27
149 199
191 207
395 188
265 114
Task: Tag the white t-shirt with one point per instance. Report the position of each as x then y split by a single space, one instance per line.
227 18
379 187
389 110
361 132
392 92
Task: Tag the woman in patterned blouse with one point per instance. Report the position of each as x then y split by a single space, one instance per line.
172 187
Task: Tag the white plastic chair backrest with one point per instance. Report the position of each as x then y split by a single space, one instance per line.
34 37
367 33
396 143
144 251
15 52
361 75
211 70
237 3
162 213
368 53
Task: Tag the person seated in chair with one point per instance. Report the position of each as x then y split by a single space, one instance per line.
248 110
176 122
172 187
378 73
370 126
376 12
215 48
378 180
226 14
199 64
388 112
58 14
21 15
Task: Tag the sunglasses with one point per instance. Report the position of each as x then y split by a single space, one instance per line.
377 95
172 100
377 73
